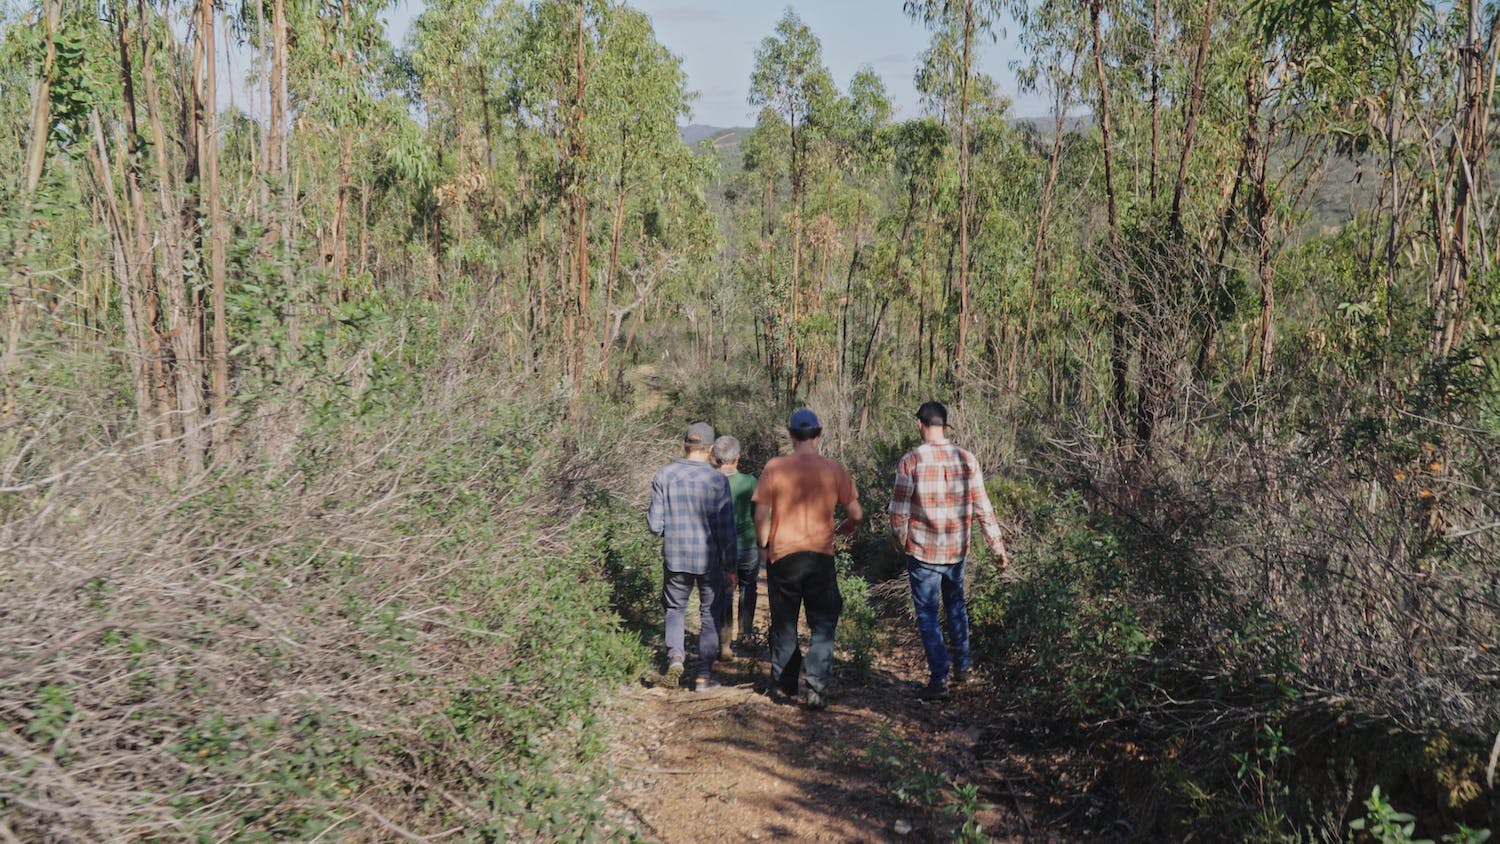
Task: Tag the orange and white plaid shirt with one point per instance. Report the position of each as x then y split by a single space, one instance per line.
938 493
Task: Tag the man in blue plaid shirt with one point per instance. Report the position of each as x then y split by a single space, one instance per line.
693 511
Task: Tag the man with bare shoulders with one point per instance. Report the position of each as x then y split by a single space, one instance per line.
794 510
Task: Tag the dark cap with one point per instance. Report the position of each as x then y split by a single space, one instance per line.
933 414
699 435
803 420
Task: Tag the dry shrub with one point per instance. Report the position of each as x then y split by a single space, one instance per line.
356 628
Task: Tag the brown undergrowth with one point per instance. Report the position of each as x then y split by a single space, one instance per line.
343 631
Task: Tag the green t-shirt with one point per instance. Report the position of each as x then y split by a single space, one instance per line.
741 487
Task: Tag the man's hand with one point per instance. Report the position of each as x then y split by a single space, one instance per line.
1004 557
731 580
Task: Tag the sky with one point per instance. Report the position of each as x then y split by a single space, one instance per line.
716 40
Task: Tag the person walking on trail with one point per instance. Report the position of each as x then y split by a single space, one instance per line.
748 555
693 511
794 510
939 491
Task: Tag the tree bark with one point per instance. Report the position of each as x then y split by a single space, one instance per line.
1044 213
1190 123
1119 352
960 357
577 160
208 155
19 294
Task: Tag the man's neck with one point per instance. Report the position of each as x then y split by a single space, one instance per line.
695 457
805 447
935 436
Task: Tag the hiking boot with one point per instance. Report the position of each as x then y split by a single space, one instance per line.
813 699
725 653
934 690
706 684
960 676
673 675
777 695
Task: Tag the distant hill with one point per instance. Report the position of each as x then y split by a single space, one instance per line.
694 134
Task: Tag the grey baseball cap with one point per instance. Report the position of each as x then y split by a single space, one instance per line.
699 434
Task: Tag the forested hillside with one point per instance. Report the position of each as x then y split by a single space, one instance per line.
327 416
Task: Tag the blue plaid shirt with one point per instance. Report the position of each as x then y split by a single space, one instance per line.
693 511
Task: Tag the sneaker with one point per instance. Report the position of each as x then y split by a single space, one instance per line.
673 677
705 684
934 690
812 699
960 676
726 654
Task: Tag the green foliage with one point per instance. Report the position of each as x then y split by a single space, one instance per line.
1384 824
860 628
1073 612
898 765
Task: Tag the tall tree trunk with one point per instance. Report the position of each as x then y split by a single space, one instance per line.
794 350
184 325
859 206
1466 162
1257 151
960 358
577 155
1044 213
1155 99
341 216
149 314
208 155
1119 351
1190 123
19 295
131 280
617 227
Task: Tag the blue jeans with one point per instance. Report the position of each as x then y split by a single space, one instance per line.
676 588
929 584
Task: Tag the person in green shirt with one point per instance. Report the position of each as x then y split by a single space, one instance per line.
749 556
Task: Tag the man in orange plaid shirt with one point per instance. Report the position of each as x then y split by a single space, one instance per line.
938 493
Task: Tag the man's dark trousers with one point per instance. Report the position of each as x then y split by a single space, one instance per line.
792 581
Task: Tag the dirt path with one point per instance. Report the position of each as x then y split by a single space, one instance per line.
876 765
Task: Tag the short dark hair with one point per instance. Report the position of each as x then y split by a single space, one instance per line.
802 435
933 414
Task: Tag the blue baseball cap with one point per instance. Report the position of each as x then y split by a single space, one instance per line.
803 420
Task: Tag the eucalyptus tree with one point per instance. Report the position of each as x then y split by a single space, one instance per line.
765 162
924 171
558 54
638 93
957 23
791 81
864 154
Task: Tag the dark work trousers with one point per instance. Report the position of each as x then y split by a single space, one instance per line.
676 588
792 581
747 564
